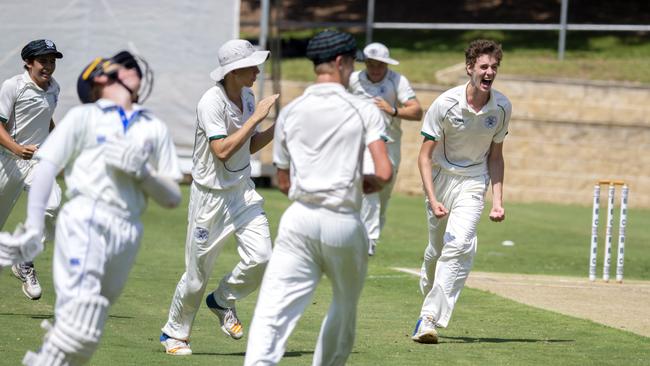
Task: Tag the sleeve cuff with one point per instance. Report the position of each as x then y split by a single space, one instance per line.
217 137
428 137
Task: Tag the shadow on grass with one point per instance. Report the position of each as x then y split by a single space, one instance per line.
503 340
51 316
242 354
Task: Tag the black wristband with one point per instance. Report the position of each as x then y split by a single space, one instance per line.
395 113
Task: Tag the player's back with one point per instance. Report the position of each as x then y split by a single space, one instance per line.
324 134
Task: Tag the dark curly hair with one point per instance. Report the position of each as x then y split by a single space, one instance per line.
480 47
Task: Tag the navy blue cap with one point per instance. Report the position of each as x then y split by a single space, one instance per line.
39 47
328 44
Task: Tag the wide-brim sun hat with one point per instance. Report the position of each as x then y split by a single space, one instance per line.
379 52
237 54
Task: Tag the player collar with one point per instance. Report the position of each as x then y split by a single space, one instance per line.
107 105
489 106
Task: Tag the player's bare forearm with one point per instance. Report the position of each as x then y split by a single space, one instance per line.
284 180
22 151
411 110
496 168
424 165
261 139
225 148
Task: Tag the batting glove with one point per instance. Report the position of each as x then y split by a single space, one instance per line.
21 246
124 155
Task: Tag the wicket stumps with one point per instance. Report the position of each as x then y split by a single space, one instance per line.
611 184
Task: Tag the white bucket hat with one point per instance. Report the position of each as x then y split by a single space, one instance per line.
379 52
237 54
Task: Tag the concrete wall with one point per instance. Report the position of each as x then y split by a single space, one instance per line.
564 135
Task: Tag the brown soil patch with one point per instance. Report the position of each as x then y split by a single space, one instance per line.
618 305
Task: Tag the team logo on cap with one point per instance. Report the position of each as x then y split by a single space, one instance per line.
49 44
372 52
490 121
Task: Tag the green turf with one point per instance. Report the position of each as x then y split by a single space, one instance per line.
621 56
486 329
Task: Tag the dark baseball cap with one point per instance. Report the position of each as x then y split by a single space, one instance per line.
328 44
40 47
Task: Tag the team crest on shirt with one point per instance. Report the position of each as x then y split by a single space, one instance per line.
250 106
490 121
201 234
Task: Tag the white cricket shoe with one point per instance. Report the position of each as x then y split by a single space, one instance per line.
175 347
425 331
230 324
27 274
372 247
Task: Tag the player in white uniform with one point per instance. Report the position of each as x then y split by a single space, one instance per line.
114 154
464 130
391 92
319 142
27 103
223 200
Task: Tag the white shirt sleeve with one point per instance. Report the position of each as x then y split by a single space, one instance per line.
404 90
66 140
212 114
501 133
374 123
166 159
7 99
281 157
432 123
39 192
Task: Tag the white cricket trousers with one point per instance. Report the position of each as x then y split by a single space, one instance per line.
94 251
214 215
449 256
374 205
311 241
16 177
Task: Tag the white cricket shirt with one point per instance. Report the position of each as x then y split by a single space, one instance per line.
218 117
464 136
76 145
394 88
26 109
320 137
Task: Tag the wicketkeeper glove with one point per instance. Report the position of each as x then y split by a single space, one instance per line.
21 246
124 155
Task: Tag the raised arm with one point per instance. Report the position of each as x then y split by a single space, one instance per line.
224 148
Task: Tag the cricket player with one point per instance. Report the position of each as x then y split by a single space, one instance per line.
27 103
391 92
462 152
223 200
319 142
114 154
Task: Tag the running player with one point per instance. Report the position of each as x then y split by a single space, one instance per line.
223 200
391 92
319 142
27 103
114 154
464 130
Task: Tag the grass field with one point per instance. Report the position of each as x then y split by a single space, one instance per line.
589 55
485 330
